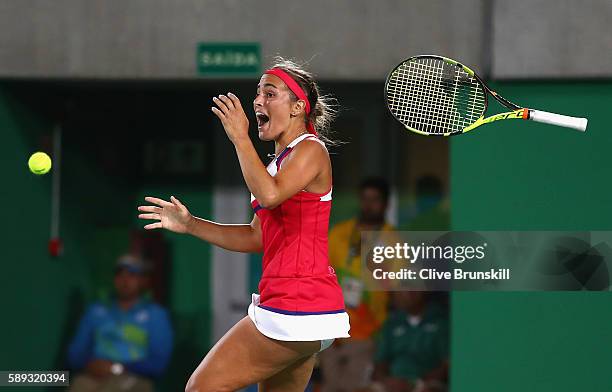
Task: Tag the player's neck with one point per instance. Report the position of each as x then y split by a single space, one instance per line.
287 137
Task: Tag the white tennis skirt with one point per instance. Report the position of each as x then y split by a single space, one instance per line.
298 328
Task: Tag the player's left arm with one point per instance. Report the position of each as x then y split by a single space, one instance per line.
300 168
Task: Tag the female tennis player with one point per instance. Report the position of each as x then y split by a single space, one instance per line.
300 309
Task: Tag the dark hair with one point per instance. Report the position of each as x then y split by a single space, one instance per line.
324 107
378 183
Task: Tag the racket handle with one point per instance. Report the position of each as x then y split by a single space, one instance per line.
560 120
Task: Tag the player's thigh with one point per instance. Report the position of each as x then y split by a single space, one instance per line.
293 378
245 356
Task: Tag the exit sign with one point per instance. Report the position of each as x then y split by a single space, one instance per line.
234 59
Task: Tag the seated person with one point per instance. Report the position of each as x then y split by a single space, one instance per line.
347 365
412 350
123 344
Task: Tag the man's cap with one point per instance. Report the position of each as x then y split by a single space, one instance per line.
132 264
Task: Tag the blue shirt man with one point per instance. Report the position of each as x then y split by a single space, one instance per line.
129 335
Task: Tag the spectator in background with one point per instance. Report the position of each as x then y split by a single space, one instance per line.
124 344
345 365
412 349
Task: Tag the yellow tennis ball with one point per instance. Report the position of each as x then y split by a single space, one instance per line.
39 163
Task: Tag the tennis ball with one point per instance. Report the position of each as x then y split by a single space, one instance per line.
39 163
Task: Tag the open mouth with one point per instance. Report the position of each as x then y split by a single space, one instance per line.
262 119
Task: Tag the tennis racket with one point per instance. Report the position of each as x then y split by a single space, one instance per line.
434 95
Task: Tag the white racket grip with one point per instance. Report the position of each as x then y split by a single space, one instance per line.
560 120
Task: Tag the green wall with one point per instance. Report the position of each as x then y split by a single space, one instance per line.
527 176
39 294
43 297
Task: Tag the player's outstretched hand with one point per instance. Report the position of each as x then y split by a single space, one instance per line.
172 215
232 116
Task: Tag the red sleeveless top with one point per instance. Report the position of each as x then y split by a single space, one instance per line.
297 278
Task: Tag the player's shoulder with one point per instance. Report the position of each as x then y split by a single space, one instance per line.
315 140
311 146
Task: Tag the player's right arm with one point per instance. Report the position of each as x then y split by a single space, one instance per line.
174 216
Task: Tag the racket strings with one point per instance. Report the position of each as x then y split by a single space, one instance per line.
434 96
437 97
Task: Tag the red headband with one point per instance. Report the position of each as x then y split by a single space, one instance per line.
296 89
